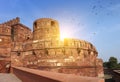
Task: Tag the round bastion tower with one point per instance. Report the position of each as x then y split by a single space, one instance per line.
46 29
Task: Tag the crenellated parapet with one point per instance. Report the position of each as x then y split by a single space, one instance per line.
44 50
10 32
12 22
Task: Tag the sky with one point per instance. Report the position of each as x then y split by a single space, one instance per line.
96 21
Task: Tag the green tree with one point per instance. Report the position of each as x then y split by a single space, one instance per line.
118 66
105 64
112 63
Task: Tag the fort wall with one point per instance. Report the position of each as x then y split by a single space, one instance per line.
42 49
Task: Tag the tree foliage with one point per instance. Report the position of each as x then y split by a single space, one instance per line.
112 63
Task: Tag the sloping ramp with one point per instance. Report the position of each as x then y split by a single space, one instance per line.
5 77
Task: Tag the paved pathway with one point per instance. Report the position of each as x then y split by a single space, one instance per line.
4 77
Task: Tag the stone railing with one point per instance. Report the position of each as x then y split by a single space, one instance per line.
33 75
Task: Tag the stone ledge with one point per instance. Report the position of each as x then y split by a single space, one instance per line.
33 75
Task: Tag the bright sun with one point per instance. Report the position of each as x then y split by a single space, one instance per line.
64 35
65 32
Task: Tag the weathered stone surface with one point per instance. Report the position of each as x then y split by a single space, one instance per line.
33 75
21 33
44 50
46 29
4 66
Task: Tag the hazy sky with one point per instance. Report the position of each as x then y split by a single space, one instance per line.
97 21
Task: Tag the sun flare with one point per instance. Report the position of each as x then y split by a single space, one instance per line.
64 35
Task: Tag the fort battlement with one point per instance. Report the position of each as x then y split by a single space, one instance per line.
12 22
42 49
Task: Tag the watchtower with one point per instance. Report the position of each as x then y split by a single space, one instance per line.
46 29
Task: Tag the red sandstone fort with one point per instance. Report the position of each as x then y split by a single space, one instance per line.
42 49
